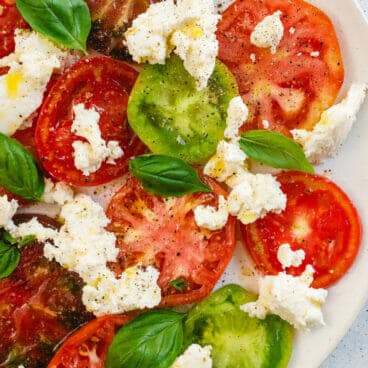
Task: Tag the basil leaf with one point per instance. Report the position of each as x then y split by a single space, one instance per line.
67 22
18 170
154 339
166 176
9 259
26 240
5 235
179 284
274 149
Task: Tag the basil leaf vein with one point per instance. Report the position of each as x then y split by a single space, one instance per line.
153 339
274 149
67 22
166 176
18 170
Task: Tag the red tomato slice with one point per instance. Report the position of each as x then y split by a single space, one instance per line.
163 233
291 88
40 303
88 346
10 20
319 218
98 82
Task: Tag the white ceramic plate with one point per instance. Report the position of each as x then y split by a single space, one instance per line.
349 169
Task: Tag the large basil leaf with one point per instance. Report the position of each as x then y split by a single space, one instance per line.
9 259
274 149
166 176
67 22
154 339
18 170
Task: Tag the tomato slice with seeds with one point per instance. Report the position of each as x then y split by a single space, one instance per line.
88 346
40 303
291 88
10 20
319 218
100 83
163 233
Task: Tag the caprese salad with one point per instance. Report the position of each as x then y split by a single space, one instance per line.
139 142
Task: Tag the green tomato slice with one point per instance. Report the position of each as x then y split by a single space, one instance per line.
237 340
171 117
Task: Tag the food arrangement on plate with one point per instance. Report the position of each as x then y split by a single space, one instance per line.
140 142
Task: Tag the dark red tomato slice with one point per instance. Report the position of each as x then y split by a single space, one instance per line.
97 82
291 88
88 347
110 20
319 218
163 233
40 303
10 20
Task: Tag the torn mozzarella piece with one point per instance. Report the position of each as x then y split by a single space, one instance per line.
30 68
89 156
226 162
237 114
269 32
188 28
58 193
254 195
211 218
291 298
333 127
7 210
287 257
195 356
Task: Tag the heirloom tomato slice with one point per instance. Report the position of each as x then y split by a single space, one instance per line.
10 20
291 88
89 345
162 232
100 83
319 218
40 304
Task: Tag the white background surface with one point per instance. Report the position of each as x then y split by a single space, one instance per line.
353 349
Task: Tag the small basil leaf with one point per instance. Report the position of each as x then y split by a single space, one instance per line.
8 238
26 240
18 170
179 284
9 259
274 149
166 176
67 22
154 339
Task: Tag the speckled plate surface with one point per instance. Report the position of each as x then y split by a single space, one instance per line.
349 169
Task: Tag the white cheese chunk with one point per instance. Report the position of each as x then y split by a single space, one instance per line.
89 156
195 356
7 210
254 195
83 245
22 88
237 114
58 193
32 227
222 5
211 218
269 32
287 257
187 28
135 289
333 127
291 298
226 162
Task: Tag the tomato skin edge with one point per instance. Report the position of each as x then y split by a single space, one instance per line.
260 252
